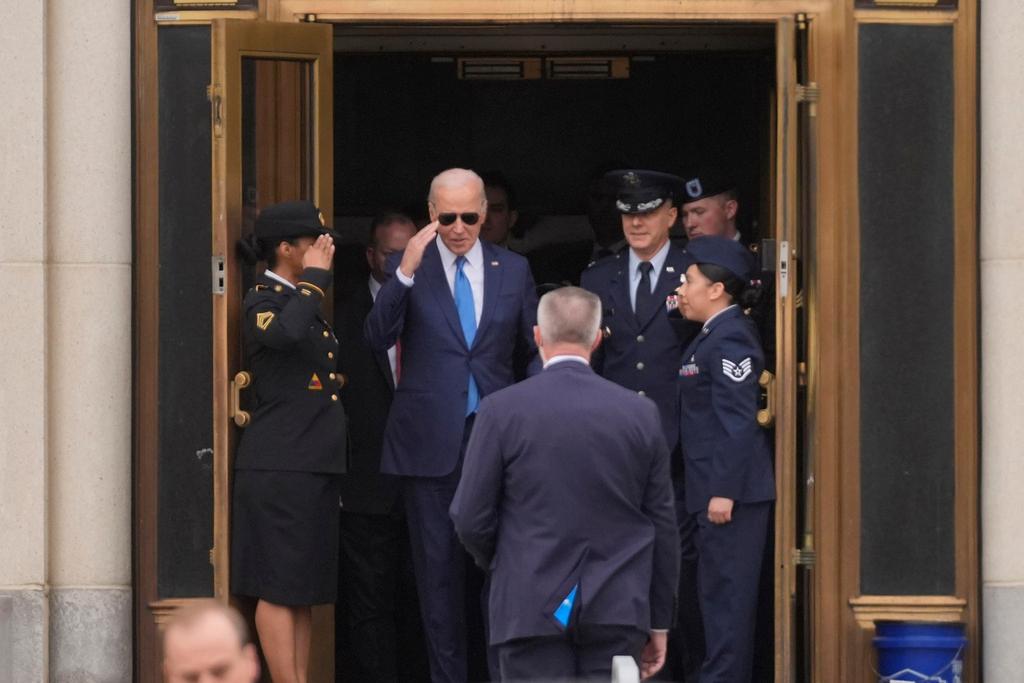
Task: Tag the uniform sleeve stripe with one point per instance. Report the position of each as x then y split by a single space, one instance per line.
310 285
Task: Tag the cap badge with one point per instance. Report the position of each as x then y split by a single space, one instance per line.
649 206
694 188
737 372
623 206
631 178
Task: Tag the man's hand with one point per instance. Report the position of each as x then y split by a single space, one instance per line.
720 510
320 254
653 656
413 256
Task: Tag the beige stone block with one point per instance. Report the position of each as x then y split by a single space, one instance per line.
23 132
1002 128
23 380
90 424
89 71
1002 436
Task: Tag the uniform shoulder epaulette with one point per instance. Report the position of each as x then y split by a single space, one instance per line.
260 288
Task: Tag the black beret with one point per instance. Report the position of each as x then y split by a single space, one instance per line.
707 183
725 252
291 219
640 191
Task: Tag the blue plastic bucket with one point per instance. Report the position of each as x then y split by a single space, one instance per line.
915 652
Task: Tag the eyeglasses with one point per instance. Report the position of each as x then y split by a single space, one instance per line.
470 218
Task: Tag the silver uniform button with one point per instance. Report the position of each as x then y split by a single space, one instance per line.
640 365
642 392
640 338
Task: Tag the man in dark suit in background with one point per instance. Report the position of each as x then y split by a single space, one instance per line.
374 615
566 498
463 311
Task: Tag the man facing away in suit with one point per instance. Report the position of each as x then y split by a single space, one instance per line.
566 499
376 628
462 311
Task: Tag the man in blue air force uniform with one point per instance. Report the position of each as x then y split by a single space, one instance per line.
566 498
643 346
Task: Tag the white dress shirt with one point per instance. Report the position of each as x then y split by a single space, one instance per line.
565 357
392 352
474 271
274 276
657 263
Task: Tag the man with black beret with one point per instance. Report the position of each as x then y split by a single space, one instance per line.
709 204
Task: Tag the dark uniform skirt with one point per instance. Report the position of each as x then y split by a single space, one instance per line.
284 544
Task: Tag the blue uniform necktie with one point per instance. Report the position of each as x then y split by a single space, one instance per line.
645 303
467 318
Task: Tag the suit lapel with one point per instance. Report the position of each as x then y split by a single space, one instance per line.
620 291
365 303
493 274
433 270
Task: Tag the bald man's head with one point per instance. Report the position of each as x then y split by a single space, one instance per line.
208 642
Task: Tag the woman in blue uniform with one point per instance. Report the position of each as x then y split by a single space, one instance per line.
284 545
726 454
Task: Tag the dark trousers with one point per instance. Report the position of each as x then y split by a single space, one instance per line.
441 565
377 630
583 652
686 639
728 576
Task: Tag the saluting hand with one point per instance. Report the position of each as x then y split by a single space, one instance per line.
320 254
720 510
413 256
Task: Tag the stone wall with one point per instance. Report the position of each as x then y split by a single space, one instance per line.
65 398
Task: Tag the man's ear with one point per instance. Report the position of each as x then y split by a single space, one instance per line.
537 339
673 213
513 218
731 207
369 257
597 341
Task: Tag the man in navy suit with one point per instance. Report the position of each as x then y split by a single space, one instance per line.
462 312
643 346
566 499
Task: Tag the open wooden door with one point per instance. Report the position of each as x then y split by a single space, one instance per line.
272 118
790 399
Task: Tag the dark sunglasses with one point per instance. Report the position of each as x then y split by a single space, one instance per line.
471 218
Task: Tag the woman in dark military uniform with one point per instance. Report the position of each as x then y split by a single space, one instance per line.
284 546
727 456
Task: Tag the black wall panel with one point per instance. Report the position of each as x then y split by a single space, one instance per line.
185 505
906 308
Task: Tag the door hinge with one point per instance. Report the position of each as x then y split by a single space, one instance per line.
211 555
804 557
809 93
217 273
802 20
215 94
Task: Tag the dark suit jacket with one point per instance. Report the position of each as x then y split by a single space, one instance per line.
642 356
566 482
367 398
425 427
727 453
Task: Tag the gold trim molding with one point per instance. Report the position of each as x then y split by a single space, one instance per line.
867 609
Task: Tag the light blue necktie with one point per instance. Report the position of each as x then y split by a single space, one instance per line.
467 318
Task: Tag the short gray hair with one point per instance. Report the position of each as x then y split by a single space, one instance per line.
456 177
569 315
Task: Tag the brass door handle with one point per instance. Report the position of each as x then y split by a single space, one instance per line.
242 380
766 416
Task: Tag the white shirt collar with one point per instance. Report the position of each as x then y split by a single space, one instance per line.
563 358
474 257
708 321
274 276
657 261
374 287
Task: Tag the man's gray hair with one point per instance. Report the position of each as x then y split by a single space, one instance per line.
456 177
569 315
